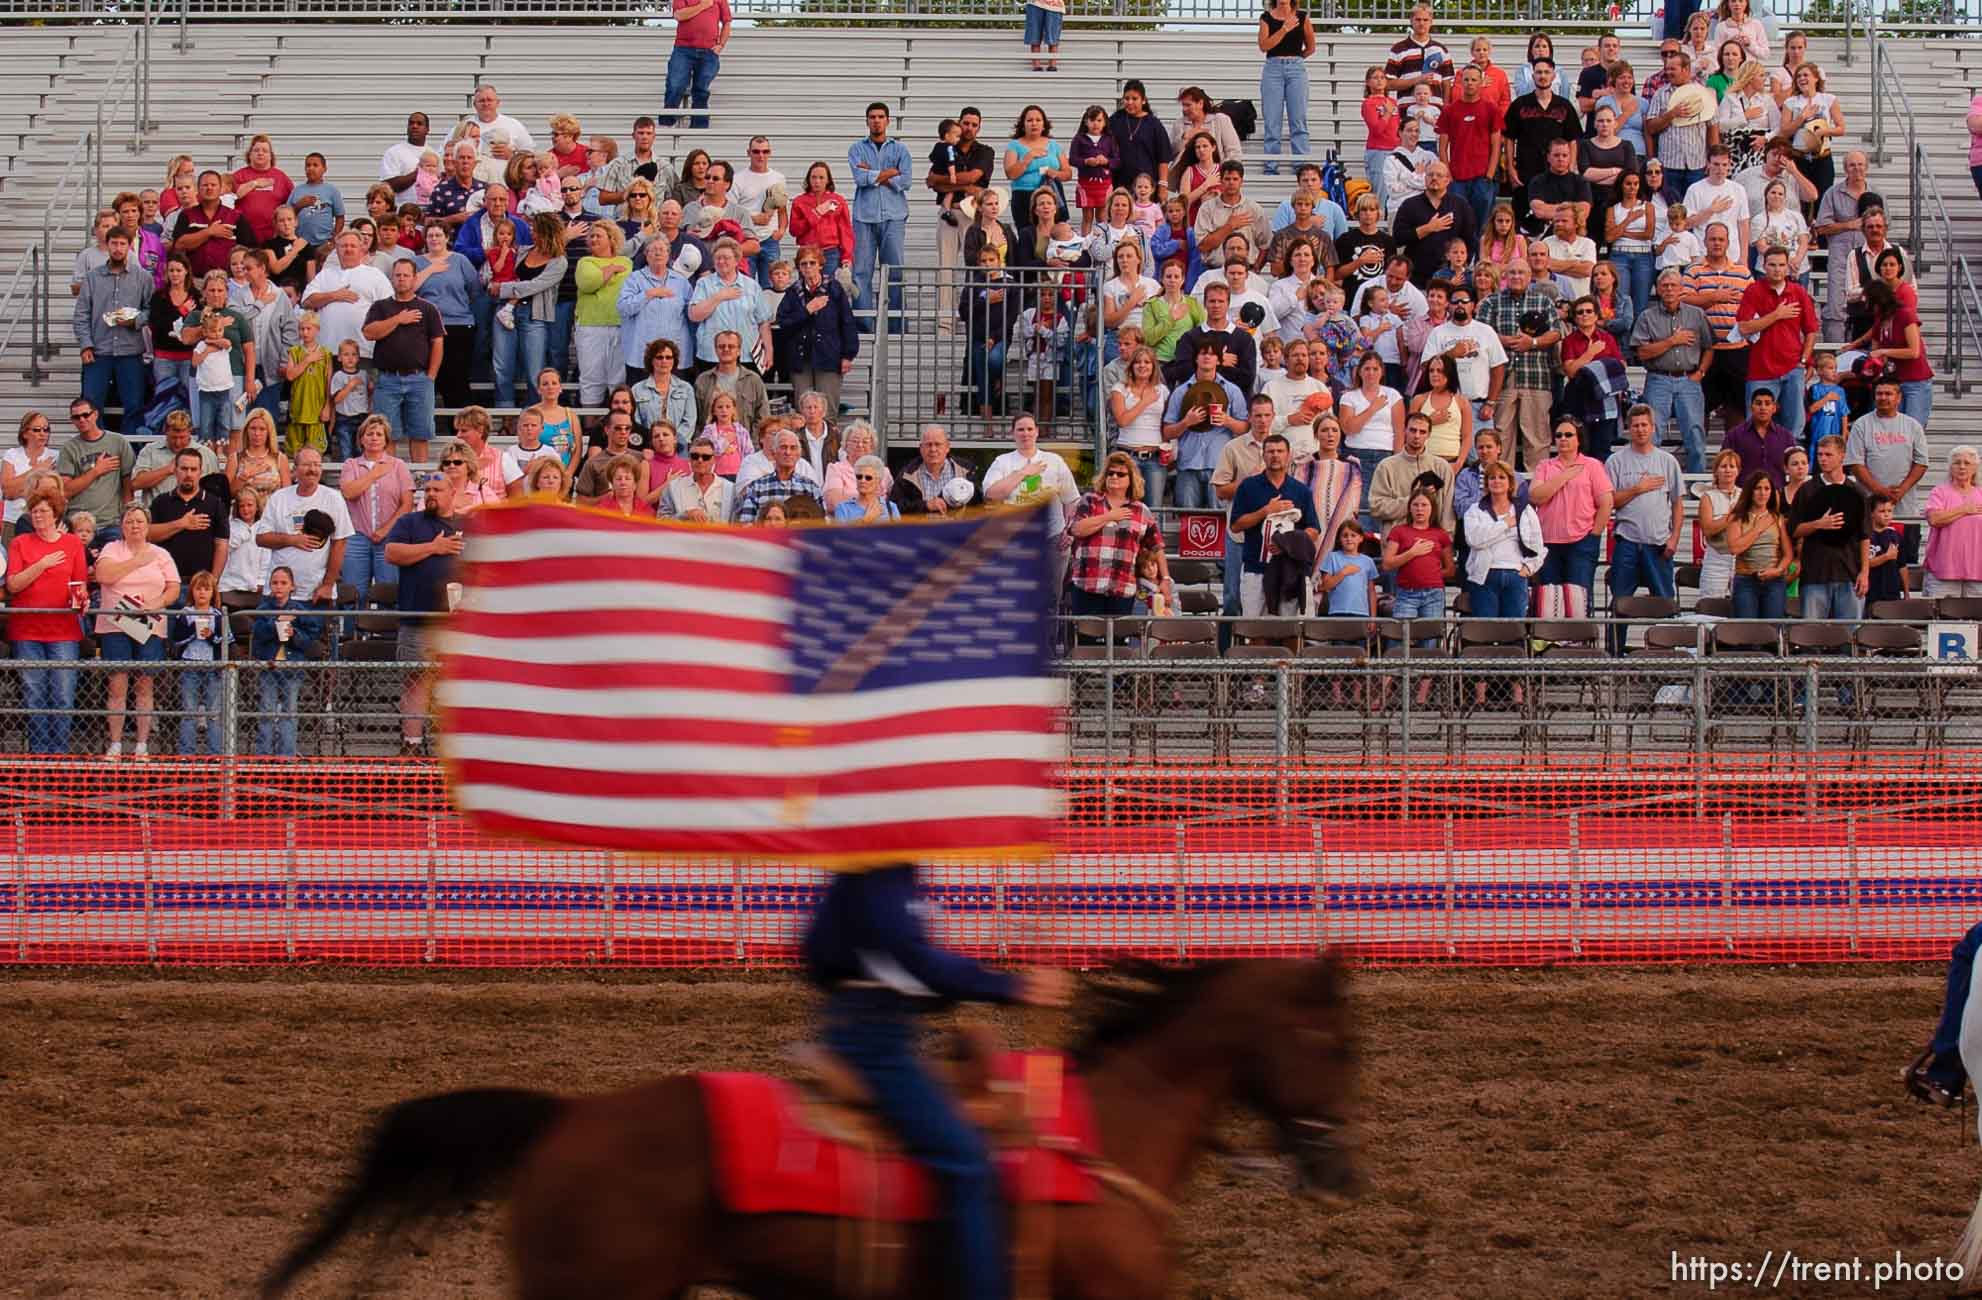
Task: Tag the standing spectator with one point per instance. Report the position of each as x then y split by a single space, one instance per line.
1202 414
881 169
701 496
343 293
1557 189
700 32
600 275
313 560
1975 140
114 304
1418 57
1043 20
259 189
1227 213
172 358
1718 200
1811 118
1779 225
818 322
421 548
377 488
95 467
206 232
653 308
488 112
409 338
1954 548
727 375
1781 320
1476 356
1270 497
1839 222
1026 476
319 205
31 457
522 336
400 167
189 521
48 570
1427 223
1679 126
449 204
1195 117
1286 38
147 247
151 476
1504 547
1411 467
1107 532
1759 540
1534 120
967 180
1382 130
1421 554
1572 495
1238 354
272 325
1887 454
133 575
476 237
1469 134
1763 444
1827 524
1525 321
1894 340
1034 159
822 218
1716 285
990 306
1649 502
282 636
1141 145
1670 338
449 281
1372 417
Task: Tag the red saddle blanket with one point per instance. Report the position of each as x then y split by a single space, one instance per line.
770 1160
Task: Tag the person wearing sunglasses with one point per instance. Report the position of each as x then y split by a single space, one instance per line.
1572 494
699 496
869 504
22 463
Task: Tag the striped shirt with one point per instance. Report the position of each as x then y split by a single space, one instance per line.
1701 278
1682 148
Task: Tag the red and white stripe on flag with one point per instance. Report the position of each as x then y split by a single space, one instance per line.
625 684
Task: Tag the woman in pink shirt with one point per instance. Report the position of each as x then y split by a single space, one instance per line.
378 489
1954 547
1571 493
133 575
259 189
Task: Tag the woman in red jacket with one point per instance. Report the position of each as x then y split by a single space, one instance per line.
822 218
46 569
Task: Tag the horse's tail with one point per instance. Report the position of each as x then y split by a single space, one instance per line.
1968 1251
425 1155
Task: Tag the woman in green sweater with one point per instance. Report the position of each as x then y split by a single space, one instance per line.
597 333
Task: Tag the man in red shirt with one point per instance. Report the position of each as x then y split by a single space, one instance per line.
204 233
1469 143
1779 319
701 29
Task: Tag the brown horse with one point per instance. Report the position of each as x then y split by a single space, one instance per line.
612 1197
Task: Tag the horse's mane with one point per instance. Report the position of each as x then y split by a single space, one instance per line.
1138 998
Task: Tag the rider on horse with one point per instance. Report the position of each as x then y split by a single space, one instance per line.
869 950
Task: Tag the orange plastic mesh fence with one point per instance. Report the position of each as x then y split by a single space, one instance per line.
1806 857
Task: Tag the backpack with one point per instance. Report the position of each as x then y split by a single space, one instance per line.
1245 117
1333 184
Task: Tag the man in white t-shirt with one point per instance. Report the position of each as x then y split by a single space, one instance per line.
1571 257
342 292
747 190
314 561
488 112
1299 399
1719 200
1244 286
401 164
1473 349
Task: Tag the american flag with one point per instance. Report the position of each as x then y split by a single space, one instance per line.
841 696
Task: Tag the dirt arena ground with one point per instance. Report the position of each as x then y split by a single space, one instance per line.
1525 1133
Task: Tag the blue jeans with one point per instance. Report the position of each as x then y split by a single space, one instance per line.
1633 564
163 372
1376 162
1234 563
1155 480
1504 594
1946 1068
1680 179
47 694
1789 396
924 1117
1480 194
560 339
1678 397
760 261
1916 398
987 375
276 732
1283 86
1420 603
1369 458
270 399
1761 598
215 416
1637 270
1838 600
1572 564
127 374
199 701
344 435
690 74
364 563
874 240
518 356
407 403
1042 26
1192 488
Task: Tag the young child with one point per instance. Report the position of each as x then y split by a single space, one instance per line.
1381 123
307 369
781 273
1682 247
1332 328
427 177
1271 360
731 438
386 241
943 159
196 637
412 227
1095 159
215 378
1347 575
1172 242
1826 401
1885 575
1379 327
1063 243
1154 590
1145 213
350 401
282 635
1043 338
1458 268
1421 114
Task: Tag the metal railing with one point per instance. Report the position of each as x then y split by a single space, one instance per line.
28 292
1930 234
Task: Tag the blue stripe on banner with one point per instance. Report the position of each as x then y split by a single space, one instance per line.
1068 899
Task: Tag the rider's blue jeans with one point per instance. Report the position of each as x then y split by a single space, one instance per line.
924 1117
1946 1067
